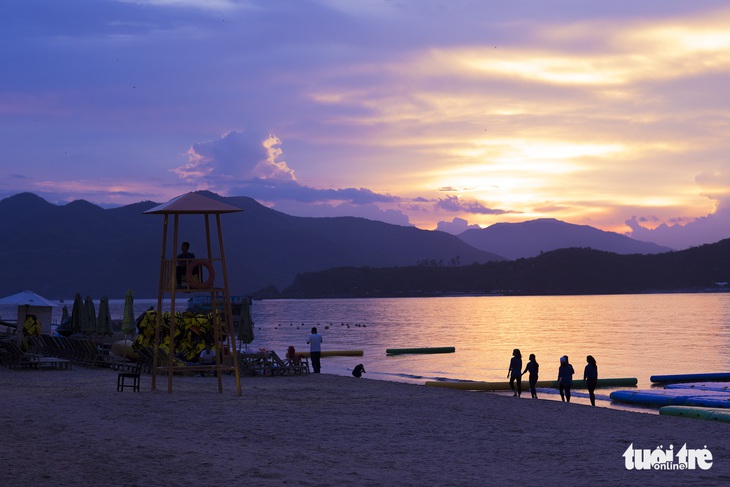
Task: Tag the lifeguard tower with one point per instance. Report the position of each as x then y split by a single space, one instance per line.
203 275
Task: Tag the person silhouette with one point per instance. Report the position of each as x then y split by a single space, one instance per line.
565 378
532 367
358 371
315 349
183 259
590 375
515 366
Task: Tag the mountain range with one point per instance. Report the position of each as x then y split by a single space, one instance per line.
531 238
58 250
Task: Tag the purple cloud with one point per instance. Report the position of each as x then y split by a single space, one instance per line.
453 203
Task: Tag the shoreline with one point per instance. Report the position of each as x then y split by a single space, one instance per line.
66 427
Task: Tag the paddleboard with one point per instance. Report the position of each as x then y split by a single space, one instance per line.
712 376
400 351
678 397
714 414
504 386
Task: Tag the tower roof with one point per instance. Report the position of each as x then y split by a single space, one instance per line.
193 203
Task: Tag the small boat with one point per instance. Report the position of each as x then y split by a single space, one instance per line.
401 351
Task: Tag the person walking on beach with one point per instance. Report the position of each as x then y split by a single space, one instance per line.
532 367
514 372
565 378
590 375
315 349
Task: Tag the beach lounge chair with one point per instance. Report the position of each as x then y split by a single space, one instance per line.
283 367
133 375
14 357
253 363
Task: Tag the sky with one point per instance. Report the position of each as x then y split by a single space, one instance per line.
442 114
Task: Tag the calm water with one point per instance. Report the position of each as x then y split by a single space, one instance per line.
629 335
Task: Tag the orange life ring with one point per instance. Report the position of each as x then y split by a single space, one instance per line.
192 281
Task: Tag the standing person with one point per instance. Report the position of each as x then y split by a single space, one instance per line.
515 366
532 367
590 375
565 378
183 259
315 349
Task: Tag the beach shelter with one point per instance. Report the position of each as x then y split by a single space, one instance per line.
30 303
77 314
104 324
88 326
205 274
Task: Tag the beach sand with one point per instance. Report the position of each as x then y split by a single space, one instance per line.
73 428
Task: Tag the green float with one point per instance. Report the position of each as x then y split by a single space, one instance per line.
712 414
504 386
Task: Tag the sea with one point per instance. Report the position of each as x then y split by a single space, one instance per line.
636 335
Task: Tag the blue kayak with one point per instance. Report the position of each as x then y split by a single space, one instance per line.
700 386
673 397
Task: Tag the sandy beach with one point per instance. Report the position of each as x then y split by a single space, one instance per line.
73 428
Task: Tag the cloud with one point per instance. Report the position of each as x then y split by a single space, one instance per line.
455 226
273 190
453 203
715 185
234 156
369 211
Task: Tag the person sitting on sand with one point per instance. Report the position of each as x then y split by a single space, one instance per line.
515 366
565 378
590 375
532 367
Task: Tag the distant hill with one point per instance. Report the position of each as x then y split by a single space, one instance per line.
564 271
530 238
57 251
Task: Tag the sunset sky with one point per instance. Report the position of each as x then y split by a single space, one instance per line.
432 113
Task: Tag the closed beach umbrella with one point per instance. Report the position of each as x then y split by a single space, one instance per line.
88 326
64 313
245 328
77 314
104 324
128 321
